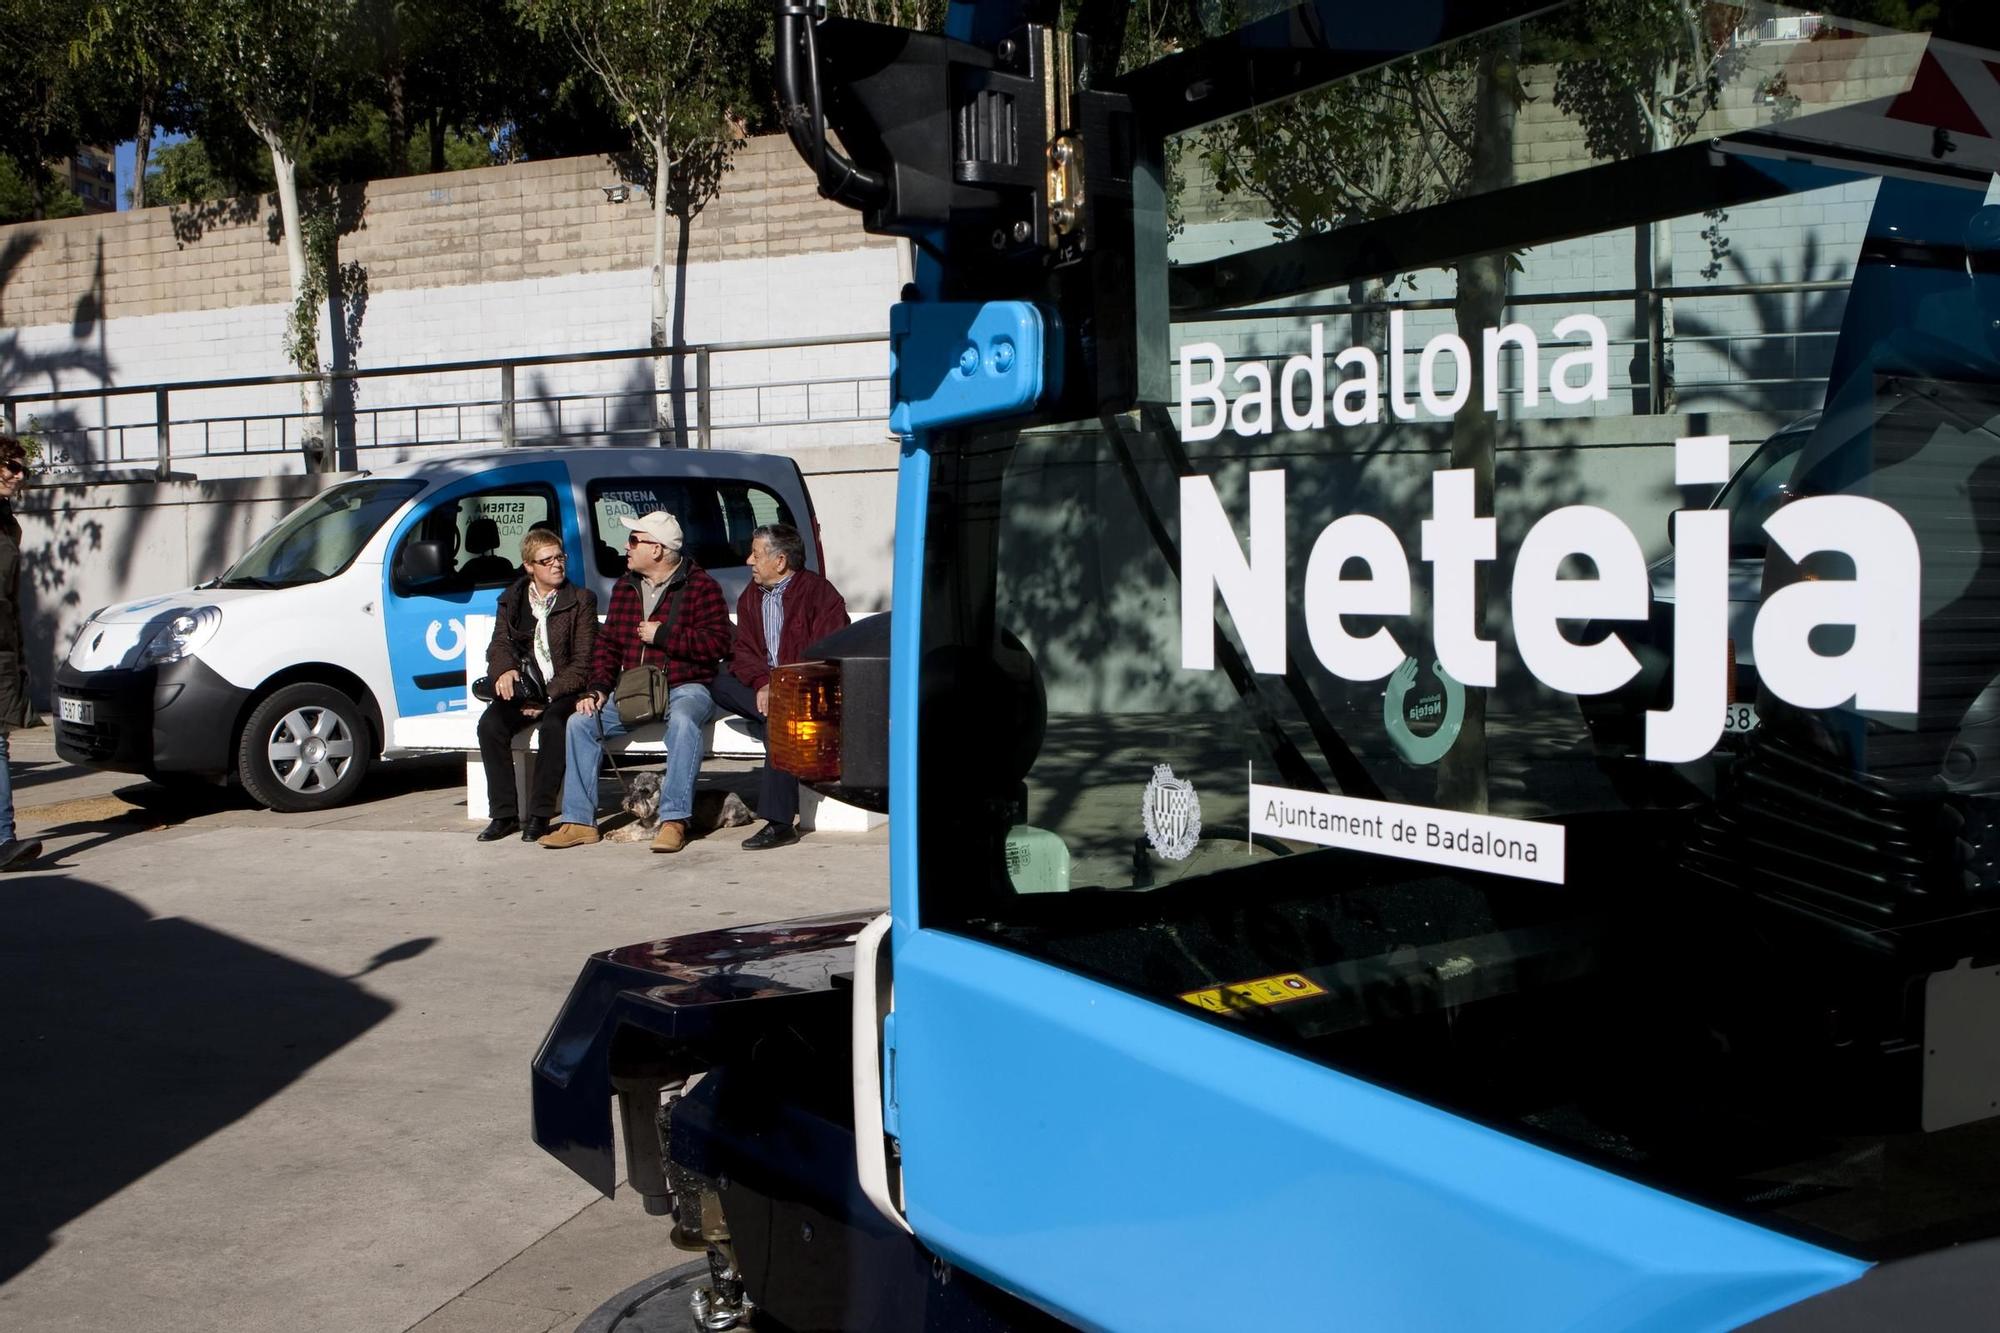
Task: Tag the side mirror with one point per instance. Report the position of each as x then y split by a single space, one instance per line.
424 561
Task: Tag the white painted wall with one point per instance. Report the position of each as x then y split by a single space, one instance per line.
830 293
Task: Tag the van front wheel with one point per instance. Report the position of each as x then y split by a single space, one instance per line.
306 747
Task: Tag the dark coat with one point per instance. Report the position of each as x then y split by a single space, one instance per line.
15 710
572 635
814 609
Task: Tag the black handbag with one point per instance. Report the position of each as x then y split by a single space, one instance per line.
529 687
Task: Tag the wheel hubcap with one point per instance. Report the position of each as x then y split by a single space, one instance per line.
310 749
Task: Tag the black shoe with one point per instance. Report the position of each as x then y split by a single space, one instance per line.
534 827
499 829
771 835
16 854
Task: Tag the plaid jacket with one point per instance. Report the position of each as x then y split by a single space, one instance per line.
699 639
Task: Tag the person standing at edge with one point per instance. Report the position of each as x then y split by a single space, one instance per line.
666 612
786 609
15 709
543 615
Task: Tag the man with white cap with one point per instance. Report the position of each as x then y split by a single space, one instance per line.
665 612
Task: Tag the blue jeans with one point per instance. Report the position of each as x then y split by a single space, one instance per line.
688 711
6 793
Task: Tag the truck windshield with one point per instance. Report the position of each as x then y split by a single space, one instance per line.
1326 695
322 538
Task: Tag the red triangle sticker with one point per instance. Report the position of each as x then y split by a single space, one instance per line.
1935 100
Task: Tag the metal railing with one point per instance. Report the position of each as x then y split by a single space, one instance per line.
139 424
350 427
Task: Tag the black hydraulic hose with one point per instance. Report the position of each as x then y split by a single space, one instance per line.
805 115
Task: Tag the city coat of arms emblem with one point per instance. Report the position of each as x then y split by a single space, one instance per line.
1172 814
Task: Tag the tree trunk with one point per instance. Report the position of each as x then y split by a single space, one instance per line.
1659 134
437 141
1482 301
36 169
657 330
684 224
142 144
398 116
312 393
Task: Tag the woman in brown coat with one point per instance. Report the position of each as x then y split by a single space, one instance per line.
14 706
546 626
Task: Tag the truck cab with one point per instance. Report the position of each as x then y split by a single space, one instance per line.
1266 943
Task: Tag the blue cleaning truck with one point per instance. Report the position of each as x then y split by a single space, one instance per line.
1300 406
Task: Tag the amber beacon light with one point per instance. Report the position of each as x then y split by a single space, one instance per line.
804 717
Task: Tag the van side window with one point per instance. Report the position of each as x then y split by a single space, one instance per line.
474 540
716 516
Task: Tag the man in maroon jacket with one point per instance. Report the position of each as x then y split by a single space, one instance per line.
665 612
786 609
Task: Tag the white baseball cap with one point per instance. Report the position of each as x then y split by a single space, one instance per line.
659 525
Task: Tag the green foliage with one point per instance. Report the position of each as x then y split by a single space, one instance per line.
1901 15
679 74
1639 75
189 172
42 97
345 285
288 67
1382 143
17 196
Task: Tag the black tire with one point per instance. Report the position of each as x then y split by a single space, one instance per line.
305 747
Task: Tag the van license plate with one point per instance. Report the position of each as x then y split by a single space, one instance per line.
80 711
1737 718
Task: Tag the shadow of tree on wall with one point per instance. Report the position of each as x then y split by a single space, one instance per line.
344 210
24 372
1772 368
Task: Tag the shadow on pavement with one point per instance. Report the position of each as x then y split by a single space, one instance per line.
125 1040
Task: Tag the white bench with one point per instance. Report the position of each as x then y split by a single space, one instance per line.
727 737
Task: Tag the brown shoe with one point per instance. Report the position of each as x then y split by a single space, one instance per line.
673 835
570 835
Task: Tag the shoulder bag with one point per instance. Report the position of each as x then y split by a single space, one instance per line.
642 691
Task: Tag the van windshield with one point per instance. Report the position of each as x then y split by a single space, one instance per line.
320 540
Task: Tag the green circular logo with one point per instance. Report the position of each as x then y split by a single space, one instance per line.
1422 716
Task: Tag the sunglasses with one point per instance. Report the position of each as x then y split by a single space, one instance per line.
14 469
635 539
551 561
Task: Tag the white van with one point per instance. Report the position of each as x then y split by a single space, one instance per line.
290 671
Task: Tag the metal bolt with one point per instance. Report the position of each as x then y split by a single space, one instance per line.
1003 358
968 361
806 1232
1063 151
1022 231
999 238
1006 49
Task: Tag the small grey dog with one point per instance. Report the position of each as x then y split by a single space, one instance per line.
712 810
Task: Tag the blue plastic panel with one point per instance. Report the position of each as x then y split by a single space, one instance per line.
427 635
913 484
957 362
1132 1167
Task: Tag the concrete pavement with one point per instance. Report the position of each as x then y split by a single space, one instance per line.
271 1071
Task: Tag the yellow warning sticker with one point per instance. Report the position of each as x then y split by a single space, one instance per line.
1281 989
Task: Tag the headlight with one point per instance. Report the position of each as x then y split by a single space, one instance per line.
182 636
